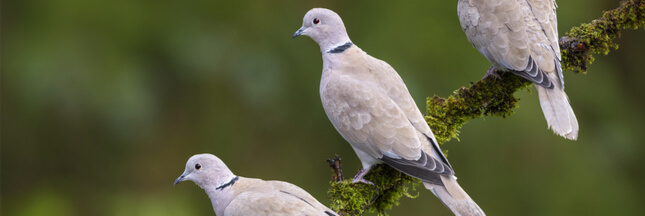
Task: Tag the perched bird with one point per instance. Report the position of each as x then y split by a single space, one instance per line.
370 106
235 195
521 36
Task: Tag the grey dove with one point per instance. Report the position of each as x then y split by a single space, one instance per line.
370 106
233 195
521 36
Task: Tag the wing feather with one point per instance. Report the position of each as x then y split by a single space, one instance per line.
515 35
374 112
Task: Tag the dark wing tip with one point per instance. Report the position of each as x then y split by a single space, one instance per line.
533 73
426 168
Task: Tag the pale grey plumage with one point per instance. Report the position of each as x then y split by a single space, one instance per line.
521 36
370 106
232 195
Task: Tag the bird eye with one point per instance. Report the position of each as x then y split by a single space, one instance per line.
198 166
316 21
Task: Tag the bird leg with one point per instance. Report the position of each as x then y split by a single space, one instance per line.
492 71
359 177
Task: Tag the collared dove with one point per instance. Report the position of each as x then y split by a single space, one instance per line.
234 195
370 106
521 36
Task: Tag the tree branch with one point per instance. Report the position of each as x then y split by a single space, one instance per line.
597 36
493 97
487 97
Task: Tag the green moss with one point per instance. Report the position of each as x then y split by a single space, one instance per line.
597 36
356 199
490 96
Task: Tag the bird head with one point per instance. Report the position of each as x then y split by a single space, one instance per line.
205 170
325 27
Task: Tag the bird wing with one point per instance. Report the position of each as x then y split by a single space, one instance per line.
515 35
544 25
297 192
275 198
390 81
275 203
371 111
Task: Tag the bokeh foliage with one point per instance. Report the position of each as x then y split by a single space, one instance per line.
104 101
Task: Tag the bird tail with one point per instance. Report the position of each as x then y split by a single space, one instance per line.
558 112
454 197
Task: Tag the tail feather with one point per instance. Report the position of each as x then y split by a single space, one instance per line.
454 197
558 112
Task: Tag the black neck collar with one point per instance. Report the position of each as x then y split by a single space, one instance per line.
231 182
341 48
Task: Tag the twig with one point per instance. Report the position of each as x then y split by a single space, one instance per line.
334 163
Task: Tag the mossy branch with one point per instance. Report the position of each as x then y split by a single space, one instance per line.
487 97
356 199
493 97
597 36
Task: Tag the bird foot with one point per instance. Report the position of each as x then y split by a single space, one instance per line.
493 72
359 177
363 181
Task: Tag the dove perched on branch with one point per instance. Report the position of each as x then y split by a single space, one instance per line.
233 195
521 36
370 106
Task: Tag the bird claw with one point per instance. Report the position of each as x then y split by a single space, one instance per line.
363 181
493 72
359 178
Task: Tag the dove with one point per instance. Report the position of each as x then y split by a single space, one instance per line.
233 195
521 36
370 106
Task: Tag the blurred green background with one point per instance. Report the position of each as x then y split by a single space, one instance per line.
104 101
